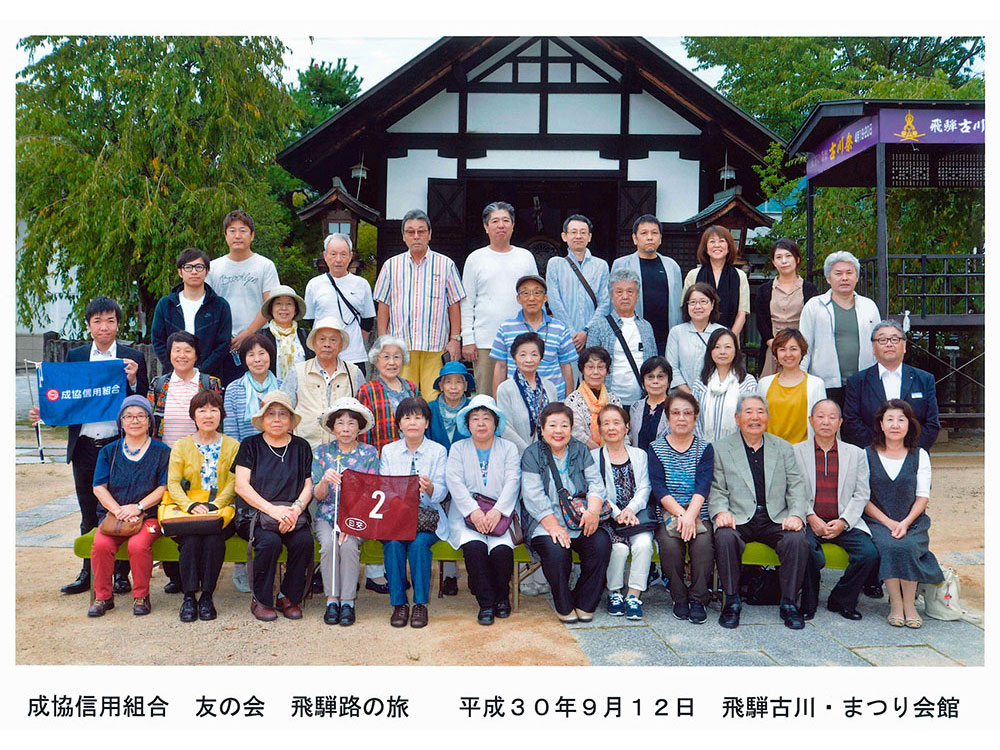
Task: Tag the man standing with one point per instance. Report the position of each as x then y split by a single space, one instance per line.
559 355
836 476
419 294
578 282
627 337
758 495
889 378
490 296
660 283
245 280
86 440
340 294
194 307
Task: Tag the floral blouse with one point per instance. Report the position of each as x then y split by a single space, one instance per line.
364 458
210 464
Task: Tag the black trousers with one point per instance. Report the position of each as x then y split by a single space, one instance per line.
863 560
266 548
201 559
557 561
792 548
489 572
836 394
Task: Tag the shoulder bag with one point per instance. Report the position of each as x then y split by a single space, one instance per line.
583 280
628 352
572 507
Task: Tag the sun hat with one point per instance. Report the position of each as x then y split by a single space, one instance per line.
329 322
350 404
455 368
283 290
481 401
274 397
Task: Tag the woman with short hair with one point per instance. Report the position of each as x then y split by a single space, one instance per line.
522 397
686 342
791 393
648 416
244 394
283 310
592 395
716 254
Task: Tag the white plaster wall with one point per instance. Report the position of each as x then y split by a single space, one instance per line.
439 114
503 113
649 116
584 113
503 74
676 183
406 180
517 160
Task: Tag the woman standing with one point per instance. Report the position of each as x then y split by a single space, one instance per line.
900 473
522 397
592 396
716 254
129 481
686 343
243 396
648 417
200 480
779 301
480 469
791 393
723 380
283 309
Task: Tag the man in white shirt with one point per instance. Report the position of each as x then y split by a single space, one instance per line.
488 278
245 280
341 294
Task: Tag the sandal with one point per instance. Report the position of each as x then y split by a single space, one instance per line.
896 621
914 622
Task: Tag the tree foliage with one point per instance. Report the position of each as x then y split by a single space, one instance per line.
130 149
323 89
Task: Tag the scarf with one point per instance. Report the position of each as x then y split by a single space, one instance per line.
728 289
254 391
722 398
595 405
287 343
535 398
449 415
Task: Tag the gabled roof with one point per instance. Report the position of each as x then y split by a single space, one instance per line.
338 194
724 202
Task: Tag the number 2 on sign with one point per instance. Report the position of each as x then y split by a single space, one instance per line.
379 496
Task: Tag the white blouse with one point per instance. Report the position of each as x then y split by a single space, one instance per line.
893 466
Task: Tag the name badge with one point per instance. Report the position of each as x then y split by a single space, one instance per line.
917 394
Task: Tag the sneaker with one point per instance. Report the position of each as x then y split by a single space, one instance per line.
633 608
682 610
616 604
534 588
240 581
697 614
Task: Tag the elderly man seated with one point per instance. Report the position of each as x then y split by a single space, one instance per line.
836 477
758 495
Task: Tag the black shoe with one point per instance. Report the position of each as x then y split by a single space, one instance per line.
206 609
808 604
121 585
697 614
849 614
449 587
681 610
873 590
332 614
485 616
173 587
317 582
730 617
790 615
346 614
189 608
378 588
502 609
81 584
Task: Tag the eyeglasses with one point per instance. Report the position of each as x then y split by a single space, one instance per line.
277 414
532 294
416 232
679 413
237 230
387 357
194 267
699 303
883 340
134 417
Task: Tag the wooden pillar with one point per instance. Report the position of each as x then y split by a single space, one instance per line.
881 232
810 253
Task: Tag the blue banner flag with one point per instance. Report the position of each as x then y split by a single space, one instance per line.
80 392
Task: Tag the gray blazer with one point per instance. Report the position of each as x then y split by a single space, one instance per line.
852 480
732 483
538 491
512 405
674 283
601 334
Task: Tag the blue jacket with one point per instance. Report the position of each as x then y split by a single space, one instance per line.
864 394
436 430
213 325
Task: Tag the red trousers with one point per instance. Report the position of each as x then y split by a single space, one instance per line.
140 555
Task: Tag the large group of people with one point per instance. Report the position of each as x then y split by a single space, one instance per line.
621 418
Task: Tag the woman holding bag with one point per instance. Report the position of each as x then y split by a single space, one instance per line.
626 478
200 482
484 477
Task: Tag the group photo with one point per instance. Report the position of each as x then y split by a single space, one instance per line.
538 351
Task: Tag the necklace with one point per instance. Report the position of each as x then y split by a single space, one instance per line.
280 456
137 451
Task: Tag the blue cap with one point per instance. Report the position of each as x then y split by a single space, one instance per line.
455 368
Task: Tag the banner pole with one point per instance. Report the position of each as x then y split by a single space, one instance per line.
336 528
31 395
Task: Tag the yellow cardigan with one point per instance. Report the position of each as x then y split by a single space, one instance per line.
185 463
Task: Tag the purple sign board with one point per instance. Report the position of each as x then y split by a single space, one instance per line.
860 135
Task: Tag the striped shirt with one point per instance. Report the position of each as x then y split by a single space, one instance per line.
568 300
418 295
177 422
680 475
559 349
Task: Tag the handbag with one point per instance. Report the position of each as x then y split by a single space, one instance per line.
111 526
269 524
511 522
645 517
427 519
572 507
759 585
942 601
177 522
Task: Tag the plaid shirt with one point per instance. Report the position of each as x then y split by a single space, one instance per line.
372 395
827 465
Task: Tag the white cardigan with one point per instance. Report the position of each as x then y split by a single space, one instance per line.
815 392
640 469
816 325
463 476
509 401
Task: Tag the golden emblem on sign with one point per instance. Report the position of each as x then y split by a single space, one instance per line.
909 131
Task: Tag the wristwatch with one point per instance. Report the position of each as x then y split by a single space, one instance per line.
456 338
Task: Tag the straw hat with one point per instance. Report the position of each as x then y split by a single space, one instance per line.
480 402
328 322
283 290
274 397
350 404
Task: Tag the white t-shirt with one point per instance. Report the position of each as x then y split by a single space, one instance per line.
623 382
242 284
323 301
190 307
490 296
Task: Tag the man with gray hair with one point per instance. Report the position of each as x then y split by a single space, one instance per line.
889 378
624 334
490 296
837 326
660 283
341 294
758 495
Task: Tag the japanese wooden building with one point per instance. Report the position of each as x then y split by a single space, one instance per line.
608 127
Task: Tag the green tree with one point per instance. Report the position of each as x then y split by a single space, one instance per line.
129 149
323 89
